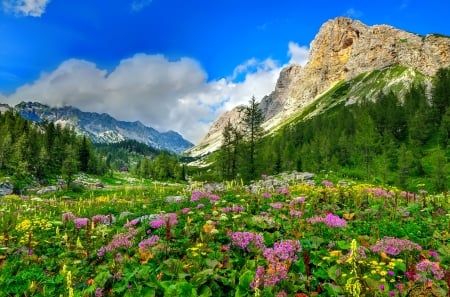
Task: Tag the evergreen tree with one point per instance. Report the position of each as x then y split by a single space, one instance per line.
229 151
252 119
441 95
84 154
405 164
440 170
444 130
366 139
70 165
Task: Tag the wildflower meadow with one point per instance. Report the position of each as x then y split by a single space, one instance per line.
304 239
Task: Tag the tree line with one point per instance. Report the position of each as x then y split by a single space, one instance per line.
42 152
398 141
38 152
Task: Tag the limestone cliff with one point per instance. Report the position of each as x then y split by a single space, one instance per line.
343 49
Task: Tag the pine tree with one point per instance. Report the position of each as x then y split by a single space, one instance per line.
441 95
84 154
70 164
366 139
252 119
228 154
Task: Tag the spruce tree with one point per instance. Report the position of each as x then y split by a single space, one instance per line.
252 119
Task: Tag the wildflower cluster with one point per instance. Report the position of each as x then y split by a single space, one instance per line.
197 195
146 243
427 269
121 240
169 219
279 259
244 239
330 220
394 246
100 219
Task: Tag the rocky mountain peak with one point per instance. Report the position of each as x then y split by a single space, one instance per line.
102 128
342 49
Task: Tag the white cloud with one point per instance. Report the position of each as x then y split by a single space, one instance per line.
298 54
353 13
166 95
138 5
34 8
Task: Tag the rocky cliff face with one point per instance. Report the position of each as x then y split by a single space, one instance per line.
343 49
213 139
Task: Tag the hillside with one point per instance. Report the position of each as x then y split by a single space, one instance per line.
343 50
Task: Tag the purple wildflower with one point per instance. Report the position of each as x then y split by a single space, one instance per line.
334 221
185 210
68 217
298 200
258 279
148 242
172 219
315 220
121 240
213 197
266 195
200 205
276 205
98 292
295 213
118 258
100 219
244 239
196 195
427 266
283 191
237 208
158 223
327 183
131 223
435 255
285 250
282 294
394 246
80 222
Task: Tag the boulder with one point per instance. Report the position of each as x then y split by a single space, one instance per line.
47 190
6 188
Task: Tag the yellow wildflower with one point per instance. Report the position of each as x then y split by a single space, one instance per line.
336 253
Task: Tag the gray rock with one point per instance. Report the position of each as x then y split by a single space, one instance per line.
6 188
47 190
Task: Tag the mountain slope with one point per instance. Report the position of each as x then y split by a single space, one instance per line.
342 50
102 128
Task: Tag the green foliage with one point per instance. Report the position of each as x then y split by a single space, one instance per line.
252 118
42 254
42 151
385 137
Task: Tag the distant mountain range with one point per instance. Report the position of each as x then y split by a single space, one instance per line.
101 128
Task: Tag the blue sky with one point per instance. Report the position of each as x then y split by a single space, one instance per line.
168 63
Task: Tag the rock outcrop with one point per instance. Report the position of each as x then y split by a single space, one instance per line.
6 188
213 139
343 49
